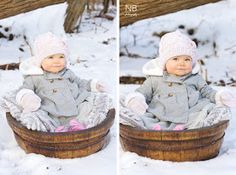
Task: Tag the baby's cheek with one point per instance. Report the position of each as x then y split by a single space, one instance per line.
64 63
190 68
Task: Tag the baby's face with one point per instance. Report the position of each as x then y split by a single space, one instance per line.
54 63
179 65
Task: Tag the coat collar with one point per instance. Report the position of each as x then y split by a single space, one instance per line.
49 75
175 79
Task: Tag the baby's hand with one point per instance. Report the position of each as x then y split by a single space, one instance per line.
97 86
137 103
28 100
101 87
137 106
225 97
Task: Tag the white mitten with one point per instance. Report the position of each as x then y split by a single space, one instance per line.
97 86
136 102
225 98
101 87
28 100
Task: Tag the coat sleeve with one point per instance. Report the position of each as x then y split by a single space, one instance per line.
146 89
27 87
28 83
205 90
82 83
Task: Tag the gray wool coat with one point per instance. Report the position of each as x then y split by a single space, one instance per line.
61 93
172 99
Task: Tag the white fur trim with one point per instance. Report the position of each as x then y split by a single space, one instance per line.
21 93
196 68
30 67
154 68
134 95
93 85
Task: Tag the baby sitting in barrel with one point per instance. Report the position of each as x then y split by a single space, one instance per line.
52 98
174 96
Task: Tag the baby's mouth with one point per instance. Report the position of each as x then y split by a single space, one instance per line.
181 69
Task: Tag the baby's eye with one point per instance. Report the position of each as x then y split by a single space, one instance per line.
175 58
51 57
187 59
62 56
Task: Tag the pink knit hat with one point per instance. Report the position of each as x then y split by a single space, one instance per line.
48 44
175 44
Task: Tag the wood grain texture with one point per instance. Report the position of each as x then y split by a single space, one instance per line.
134 10
14 7
190 145
63 145
74 10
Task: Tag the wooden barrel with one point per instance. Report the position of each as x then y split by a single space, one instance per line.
189 145
66 144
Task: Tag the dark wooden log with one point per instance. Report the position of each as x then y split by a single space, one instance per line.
134 10
131 80
14 7
10 66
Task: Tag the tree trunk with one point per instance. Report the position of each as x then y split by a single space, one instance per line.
14 7
134 10
105 6
74 10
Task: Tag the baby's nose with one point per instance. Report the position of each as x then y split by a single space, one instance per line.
181 62
56 60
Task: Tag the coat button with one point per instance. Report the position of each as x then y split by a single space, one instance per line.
170 84
170 95
54 90
51 81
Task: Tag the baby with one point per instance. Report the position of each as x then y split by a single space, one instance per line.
174 96
50 87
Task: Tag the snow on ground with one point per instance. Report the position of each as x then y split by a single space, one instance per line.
92 55
213 26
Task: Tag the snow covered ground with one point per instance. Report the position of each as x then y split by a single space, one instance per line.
213 26
92 55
